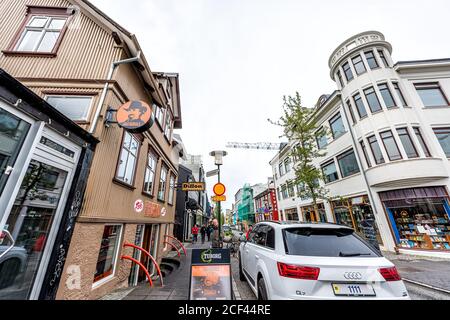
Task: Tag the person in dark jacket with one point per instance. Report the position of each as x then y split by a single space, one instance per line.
203 233
209 230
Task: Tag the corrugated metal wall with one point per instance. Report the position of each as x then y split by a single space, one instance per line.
86 51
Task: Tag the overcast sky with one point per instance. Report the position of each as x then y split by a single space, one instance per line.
237 58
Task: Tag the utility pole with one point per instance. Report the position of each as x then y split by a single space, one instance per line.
218 161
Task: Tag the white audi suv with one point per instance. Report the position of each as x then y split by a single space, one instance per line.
294 260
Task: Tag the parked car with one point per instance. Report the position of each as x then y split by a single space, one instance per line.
11 265
292 260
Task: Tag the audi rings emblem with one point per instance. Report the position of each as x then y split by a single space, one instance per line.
353 275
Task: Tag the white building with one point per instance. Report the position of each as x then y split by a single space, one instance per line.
388 151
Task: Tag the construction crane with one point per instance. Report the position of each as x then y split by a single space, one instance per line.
256 145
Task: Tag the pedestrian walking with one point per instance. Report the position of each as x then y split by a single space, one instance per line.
194 232
203 233
209 230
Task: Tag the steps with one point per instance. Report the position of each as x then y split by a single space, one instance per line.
169 265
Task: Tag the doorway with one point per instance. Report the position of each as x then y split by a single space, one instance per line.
150 243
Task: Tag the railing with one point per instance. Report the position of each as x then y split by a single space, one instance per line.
140 265
177 241
151 258
173 246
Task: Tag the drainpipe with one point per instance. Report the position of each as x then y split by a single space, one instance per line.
369 191
105 88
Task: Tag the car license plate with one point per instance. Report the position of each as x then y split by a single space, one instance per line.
353 289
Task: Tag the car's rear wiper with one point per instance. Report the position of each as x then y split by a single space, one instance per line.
356 254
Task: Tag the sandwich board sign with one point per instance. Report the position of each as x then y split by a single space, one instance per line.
210 275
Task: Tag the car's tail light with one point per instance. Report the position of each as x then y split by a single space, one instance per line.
298 272
390 274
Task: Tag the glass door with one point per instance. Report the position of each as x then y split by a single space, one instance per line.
139 238
30 223
154 240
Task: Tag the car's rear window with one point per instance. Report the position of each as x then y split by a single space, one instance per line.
326 243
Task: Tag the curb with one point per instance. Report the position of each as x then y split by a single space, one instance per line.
426 286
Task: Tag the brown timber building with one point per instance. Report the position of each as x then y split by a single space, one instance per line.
83 63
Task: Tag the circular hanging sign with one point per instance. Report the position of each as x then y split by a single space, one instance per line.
219 189
135 116
139 206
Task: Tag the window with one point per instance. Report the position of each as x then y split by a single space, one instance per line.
390 145
321 139
366 155
149 178
383 58
348 164
337 126
330 172
290 187
171 189
270 241
407 143
159 114
431 94
128 159
168 127
288 164
74 107
279 193
347 71
284 191
282 170
260 235
386 94
107 255
422 142
376 151
162 184
443 135
359 64
399 93
325 243
360 106
350 109
370 57
41 33
341 81
372 99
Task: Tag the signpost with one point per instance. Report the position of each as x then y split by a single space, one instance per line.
193 186
212 173
210 275
219 198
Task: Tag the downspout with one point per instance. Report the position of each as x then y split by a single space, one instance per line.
369 191
105 88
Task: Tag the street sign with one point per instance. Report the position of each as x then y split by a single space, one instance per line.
212 173
219 198
210 275
193 186
219 189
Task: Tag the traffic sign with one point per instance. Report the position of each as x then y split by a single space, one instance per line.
193 186
219 189
219 198
212 173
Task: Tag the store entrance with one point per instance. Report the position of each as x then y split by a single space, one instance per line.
150 243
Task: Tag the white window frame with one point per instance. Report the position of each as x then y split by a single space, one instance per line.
148 167
171 189
163 167
46 28
101 282
129 152
68 96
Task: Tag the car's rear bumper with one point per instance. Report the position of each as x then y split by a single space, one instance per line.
337 298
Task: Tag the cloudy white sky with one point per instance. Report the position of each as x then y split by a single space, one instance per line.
237 58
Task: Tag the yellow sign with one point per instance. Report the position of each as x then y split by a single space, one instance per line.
219 198
193 186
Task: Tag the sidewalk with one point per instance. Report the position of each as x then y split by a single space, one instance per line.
176 285
434 272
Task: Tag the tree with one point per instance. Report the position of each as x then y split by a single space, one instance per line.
302 131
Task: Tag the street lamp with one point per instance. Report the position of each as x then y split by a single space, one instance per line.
218 161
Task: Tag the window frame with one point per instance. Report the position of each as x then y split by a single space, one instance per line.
332 120
399 93
343 155
422 142
324 136
374 59
371 143
40 11
395 142
431 85
163 199
366 154
350 109
408 135
152 154
326 164
171 196
388 90
376 96
360 62
98 283
341 80
355 100
446 131
383 58
116 178
66 95
348 69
